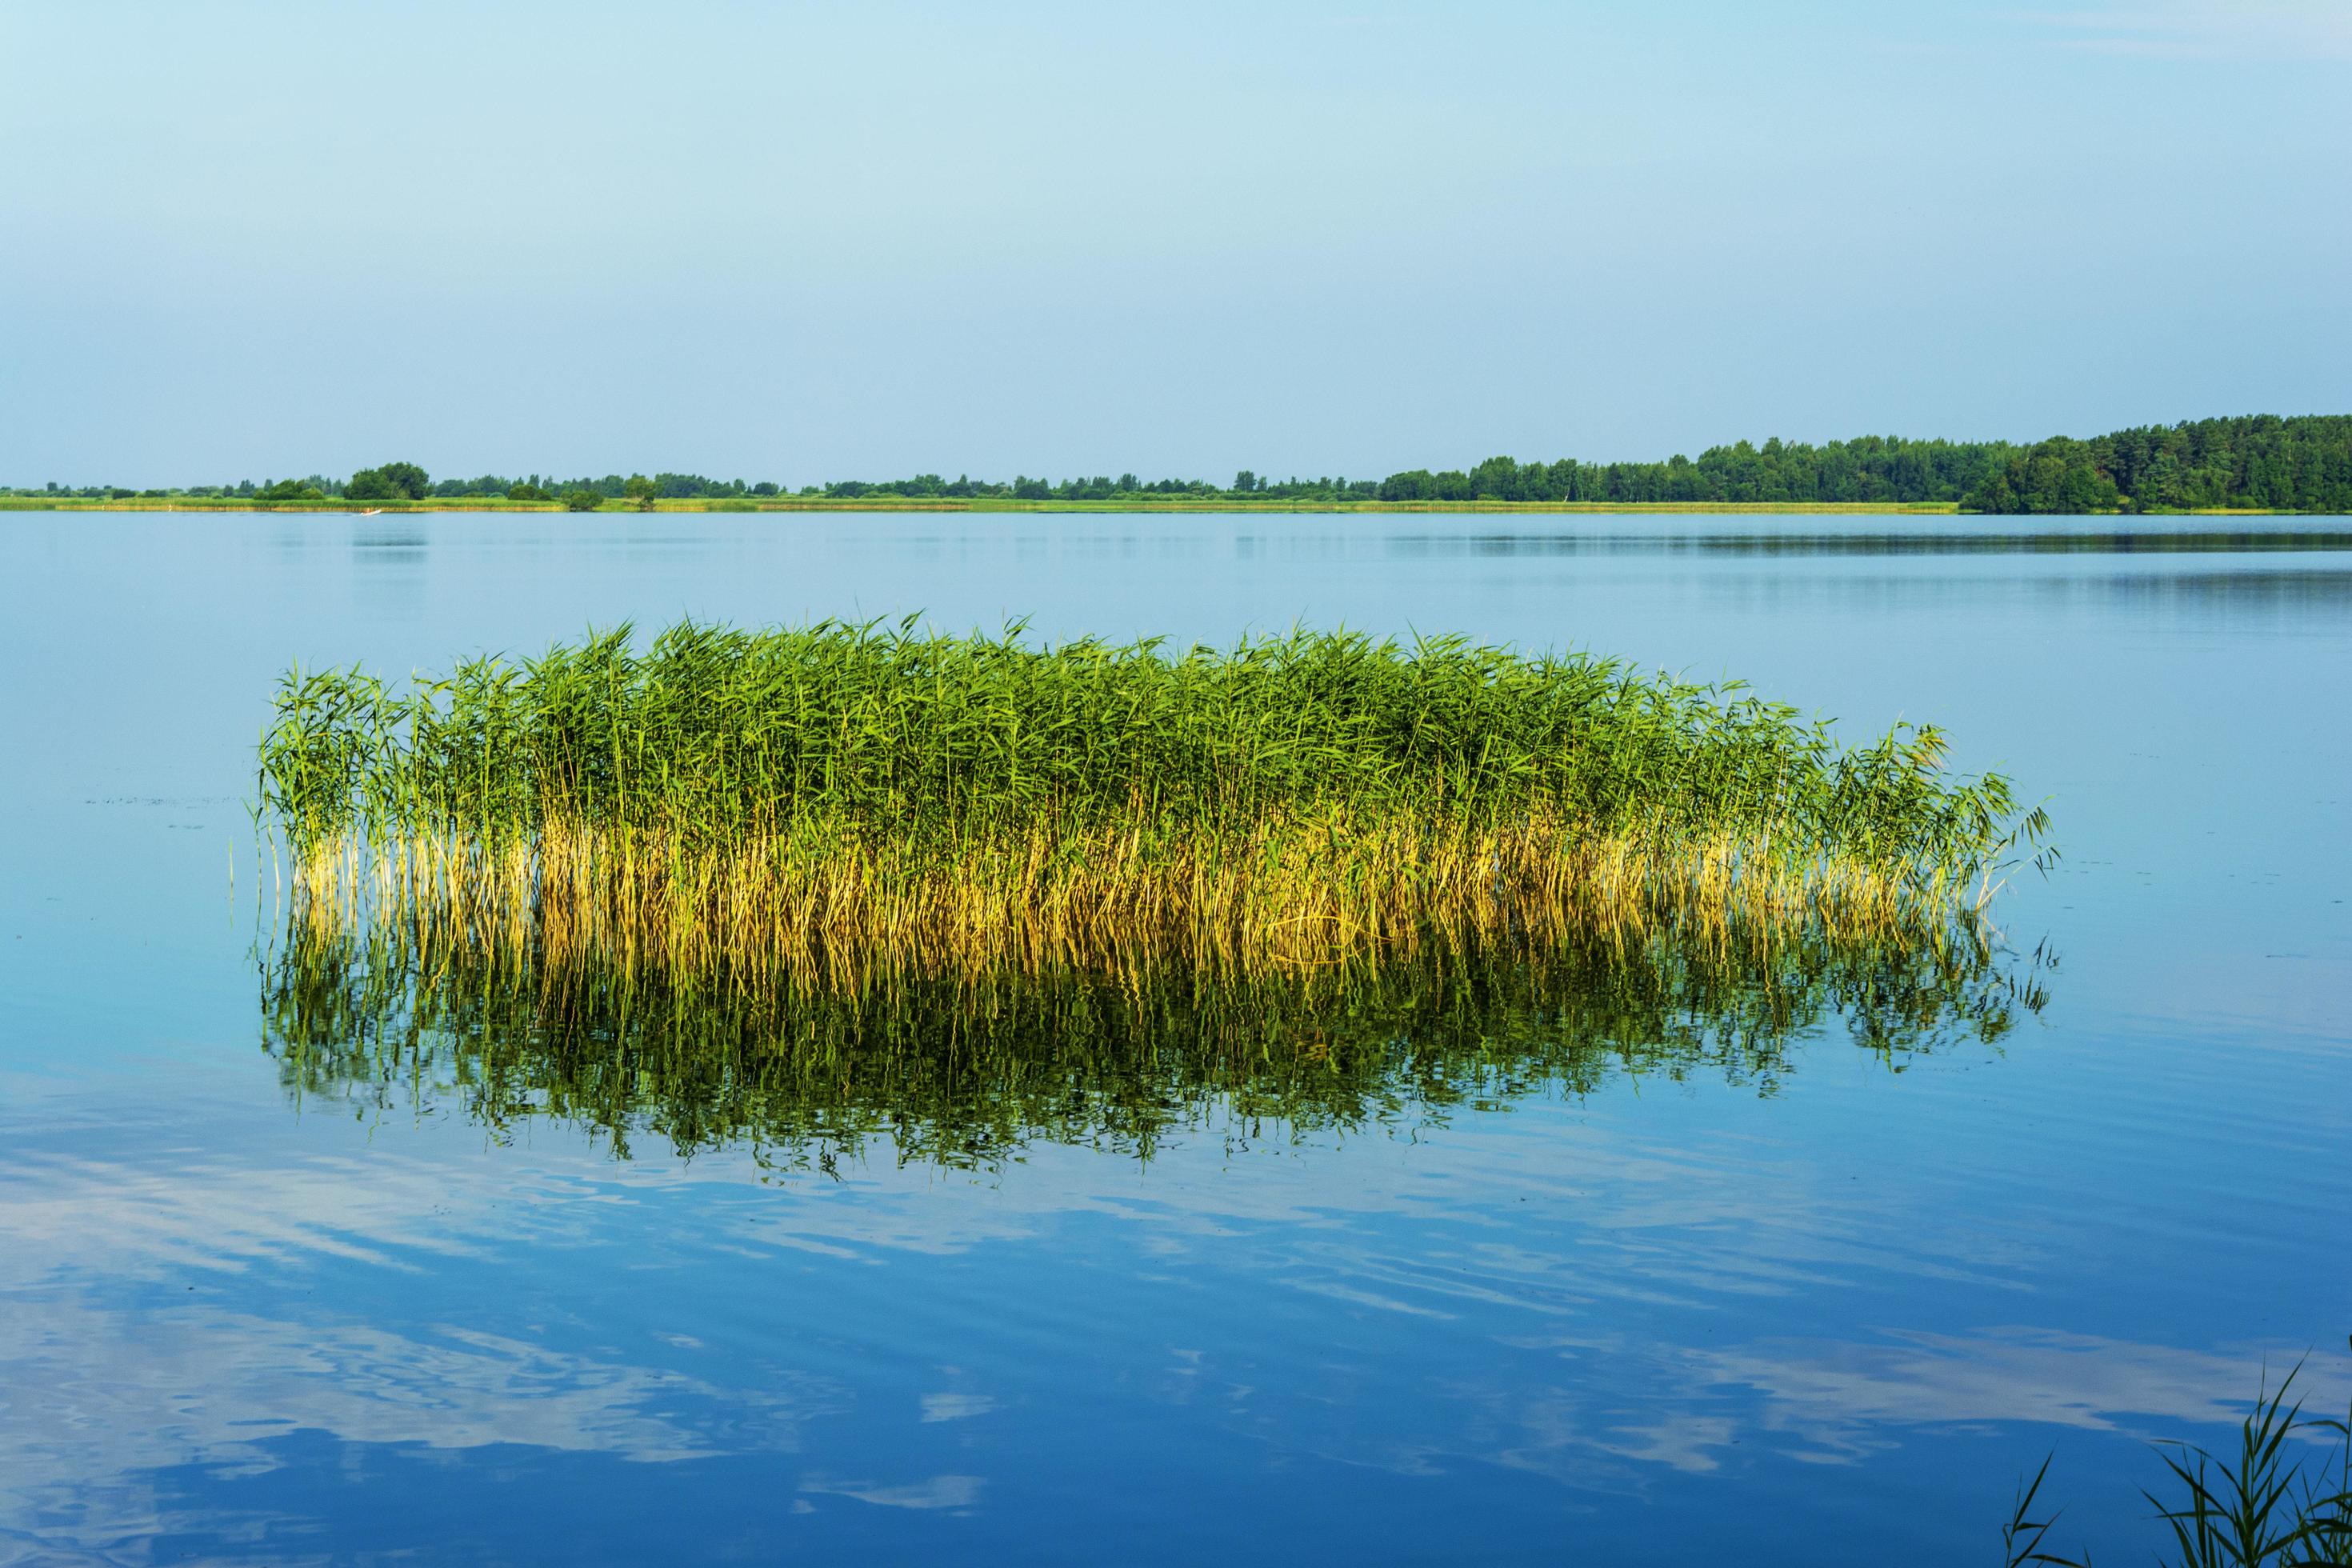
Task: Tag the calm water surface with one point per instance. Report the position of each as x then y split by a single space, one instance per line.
1817 1304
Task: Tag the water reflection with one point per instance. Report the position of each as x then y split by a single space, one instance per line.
2147 541
234 1381
966 1071
2168 595
1845 1399
404 537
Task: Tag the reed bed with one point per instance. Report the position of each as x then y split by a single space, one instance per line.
850 797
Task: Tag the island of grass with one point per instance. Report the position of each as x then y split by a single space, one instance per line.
854 797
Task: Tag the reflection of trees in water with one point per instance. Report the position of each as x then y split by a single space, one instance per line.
2236 593
967 1070
1526 541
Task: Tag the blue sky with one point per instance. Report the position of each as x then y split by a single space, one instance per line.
799 242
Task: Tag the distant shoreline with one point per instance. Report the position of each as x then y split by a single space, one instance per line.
1008 504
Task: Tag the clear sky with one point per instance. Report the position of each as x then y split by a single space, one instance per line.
857 240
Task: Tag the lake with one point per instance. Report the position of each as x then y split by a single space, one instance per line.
1687 1288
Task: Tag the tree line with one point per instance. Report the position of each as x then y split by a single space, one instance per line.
2295 464
2298 464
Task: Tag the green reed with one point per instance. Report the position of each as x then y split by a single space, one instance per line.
877 791
2264 1506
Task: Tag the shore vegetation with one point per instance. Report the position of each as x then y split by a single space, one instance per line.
2252 463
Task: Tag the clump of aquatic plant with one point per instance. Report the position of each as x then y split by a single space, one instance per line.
862 793
965 1069
2261 1507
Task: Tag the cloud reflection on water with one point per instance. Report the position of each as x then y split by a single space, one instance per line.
1534 1358
104 1401
1840 1397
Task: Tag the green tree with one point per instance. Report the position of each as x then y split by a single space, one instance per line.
393 481
581 500
641 490
408 478
1994 493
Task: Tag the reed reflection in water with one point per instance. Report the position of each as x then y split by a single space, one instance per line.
965 1069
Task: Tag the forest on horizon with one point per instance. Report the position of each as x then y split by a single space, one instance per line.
2302 463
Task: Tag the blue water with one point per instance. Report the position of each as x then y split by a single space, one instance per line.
1829 1317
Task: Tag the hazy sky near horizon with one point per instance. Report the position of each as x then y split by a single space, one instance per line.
809 241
